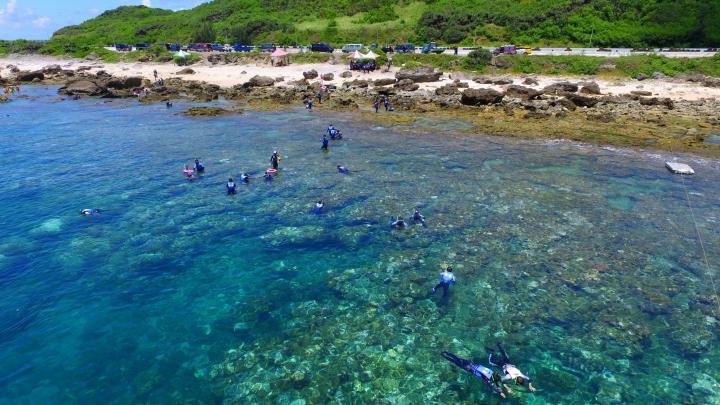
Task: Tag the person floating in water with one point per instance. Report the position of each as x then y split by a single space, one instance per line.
90 211
268 177
275 160
168 104
343 169
491 378
398 223
417 217
308 105
188 172
245 178
325 142
231 186
376 105
330 130
319 206
338 134
446 279
512 373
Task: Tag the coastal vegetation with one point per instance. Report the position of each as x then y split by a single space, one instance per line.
602 23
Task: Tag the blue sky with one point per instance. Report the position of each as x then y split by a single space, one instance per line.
38 19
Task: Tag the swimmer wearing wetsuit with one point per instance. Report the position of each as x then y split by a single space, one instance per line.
89 211
231 186
275 160
512 373
417 217
325 142
199 167
245 178
398 223
489 377
446 279
319 206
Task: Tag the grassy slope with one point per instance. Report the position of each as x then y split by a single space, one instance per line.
530 22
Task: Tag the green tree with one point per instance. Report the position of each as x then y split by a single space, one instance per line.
478 59
204 33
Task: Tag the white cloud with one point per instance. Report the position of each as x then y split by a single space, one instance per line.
10 8
147 3
41 22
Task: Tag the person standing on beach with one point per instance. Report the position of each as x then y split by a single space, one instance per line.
389 63
155 74
386 102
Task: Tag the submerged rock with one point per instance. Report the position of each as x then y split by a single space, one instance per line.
82 87
206 112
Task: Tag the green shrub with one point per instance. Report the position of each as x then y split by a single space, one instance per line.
478 59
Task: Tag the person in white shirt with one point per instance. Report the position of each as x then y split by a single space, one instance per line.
446 278
512 373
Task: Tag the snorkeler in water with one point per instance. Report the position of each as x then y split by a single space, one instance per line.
199 167
418 217
231 186
319 206
245 178
491 378
511 372
89 211
325 142
398 223
343 169
447 278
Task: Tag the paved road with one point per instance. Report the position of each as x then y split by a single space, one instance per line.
607 52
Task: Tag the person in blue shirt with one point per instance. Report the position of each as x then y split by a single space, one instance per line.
319 206
376 105
343 169
231 186
489 377
199 167
325 142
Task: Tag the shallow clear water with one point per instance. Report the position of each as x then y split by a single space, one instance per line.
583 261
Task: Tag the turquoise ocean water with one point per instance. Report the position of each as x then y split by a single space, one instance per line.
582 261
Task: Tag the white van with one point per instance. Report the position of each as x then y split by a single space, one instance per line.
352 48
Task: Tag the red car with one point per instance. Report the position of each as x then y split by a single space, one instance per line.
200 47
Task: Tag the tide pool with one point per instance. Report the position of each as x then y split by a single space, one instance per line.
582 261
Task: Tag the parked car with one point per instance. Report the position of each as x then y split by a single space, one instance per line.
432 47
349 48
141 46
505 50
321 48
267 47
199 47
387 48
243 48
173 47
404 48
217 48
123 47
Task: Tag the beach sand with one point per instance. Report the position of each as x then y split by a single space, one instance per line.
232 74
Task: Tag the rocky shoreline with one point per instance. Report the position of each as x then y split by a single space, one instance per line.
509 106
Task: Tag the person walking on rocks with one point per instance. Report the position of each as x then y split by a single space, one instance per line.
376 105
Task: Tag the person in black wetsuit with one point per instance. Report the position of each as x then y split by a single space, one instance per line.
511 372
275 160
489 377
417 217
325 142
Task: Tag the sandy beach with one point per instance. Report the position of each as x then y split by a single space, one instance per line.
230 75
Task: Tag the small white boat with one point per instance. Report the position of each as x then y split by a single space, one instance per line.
679 168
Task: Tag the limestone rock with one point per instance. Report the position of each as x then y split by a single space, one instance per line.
420 74
560 87
590 88
186 71
327 76
480 97
521 92
260 81
310 74
384 82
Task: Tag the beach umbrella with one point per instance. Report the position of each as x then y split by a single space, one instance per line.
355 55
181 54
372 55
279 57
278 53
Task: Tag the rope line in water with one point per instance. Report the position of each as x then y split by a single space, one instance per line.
702 245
